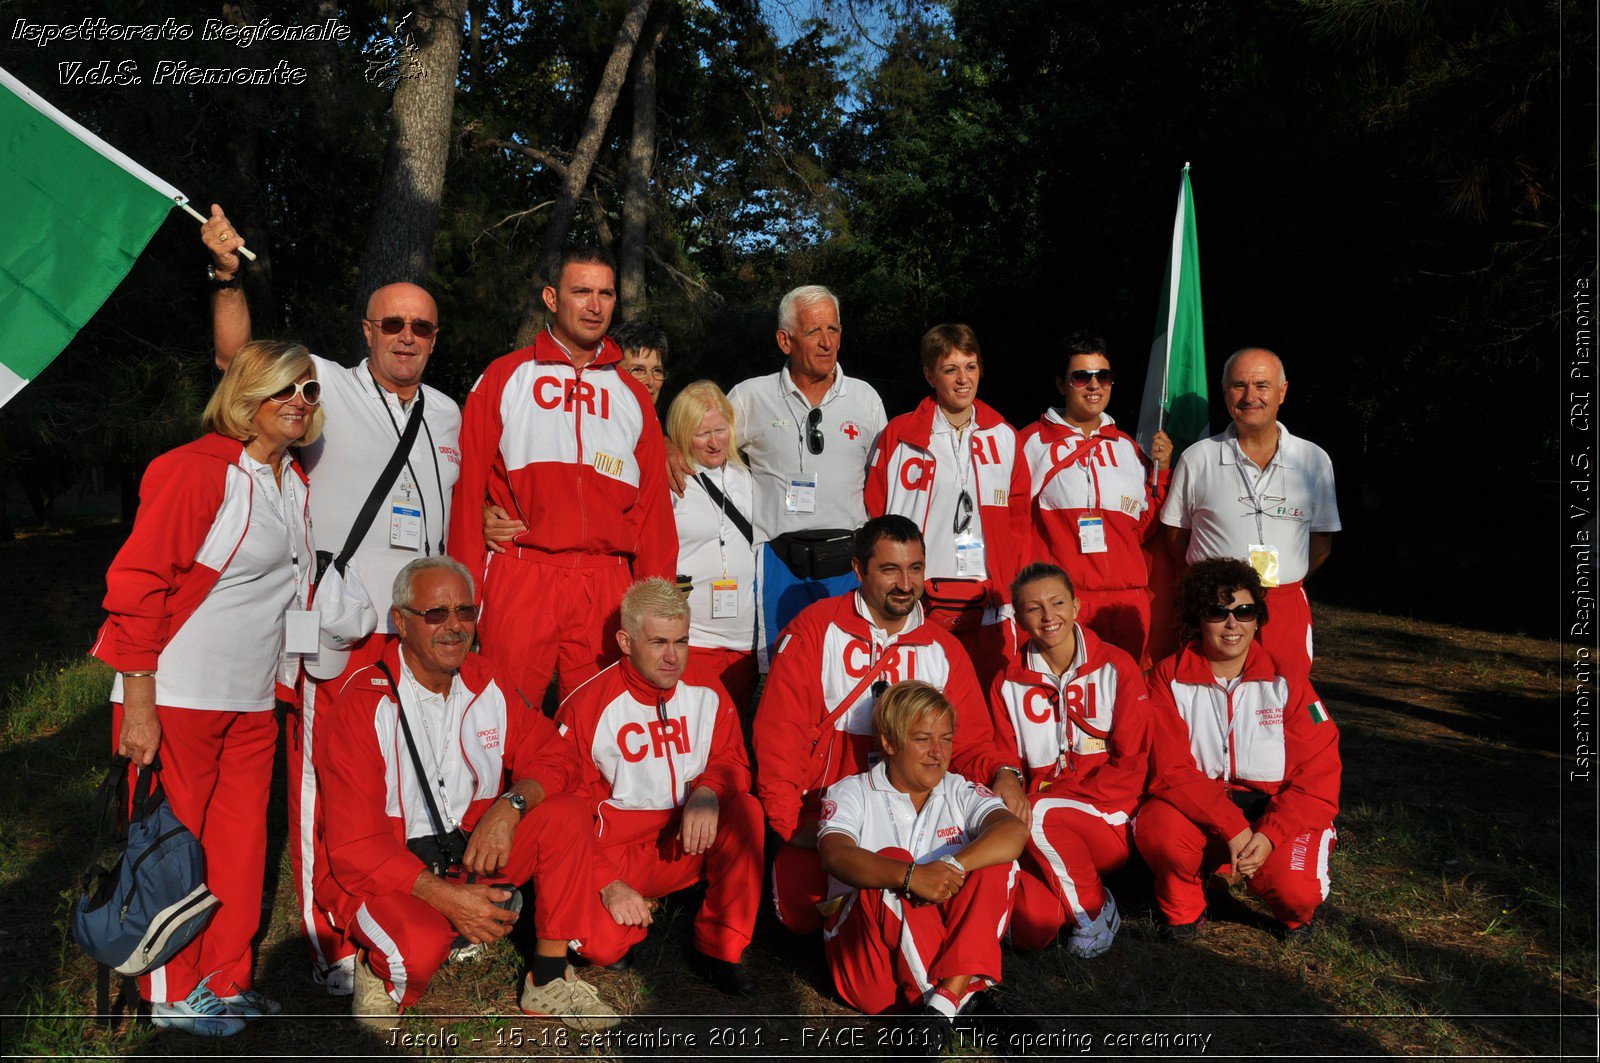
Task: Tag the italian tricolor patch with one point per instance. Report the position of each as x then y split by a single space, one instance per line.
1318 713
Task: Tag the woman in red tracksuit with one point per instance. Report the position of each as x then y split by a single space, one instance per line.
1247 765
198 601
951 465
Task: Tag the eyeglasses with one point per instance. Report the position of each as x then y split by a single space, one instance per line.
642 371
814 438
963 513
421 327
310 392
467 614
1079 378
1244 613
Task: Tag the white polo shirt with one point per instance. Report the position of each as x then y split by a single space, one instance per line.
867 809
436 724
1215 491
362 423
710 548
770 422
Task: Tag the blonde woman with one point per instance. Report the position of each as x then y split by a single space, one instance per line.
716 555
199 601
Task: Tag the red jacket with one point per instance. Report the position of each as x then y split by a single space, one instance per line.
820 658
1069 749
370 788
1111 478
643 750
575 454
1271 734
194 507
901 476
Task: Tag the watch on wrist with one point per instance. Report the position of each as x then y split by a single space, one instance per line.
517 801
224 282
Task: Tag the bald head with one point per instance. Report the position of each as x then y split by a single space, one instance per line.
397 359
1257 352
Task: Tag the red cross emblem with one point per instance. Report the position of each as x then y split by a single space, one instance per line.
850 429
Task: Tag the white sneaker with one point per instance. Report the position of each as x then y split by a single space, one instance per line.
338 980
471 952
370 1002
1094 938
252 1005
570 999
202 1013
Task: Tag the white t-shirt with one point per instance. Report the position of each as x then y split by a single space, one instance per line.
770 423
362 422
867 809
953 472
710 548
1215 491
226 655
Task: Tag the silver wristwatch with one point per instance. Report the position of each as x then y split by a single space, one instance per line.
517 801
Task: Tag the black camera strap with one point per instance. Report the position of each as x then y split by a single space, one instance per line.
439 829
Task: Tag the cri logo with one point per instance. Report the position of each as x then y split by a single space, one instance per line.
550 392
663 735
1039 706
858 659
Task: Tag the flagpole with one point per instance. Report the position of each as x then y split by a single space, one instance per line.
202 219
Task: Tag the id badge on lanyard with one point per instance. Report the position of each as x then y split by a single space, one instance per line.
801 495
969 559
724 598
405 516
302 632
1264 559
1092 534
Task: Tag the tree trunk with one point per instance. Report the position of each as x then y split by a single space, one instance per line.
583 157
245 204
400 234
631 288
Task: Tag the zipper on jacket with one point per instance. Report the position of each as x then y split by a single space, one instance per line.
577 417
672 769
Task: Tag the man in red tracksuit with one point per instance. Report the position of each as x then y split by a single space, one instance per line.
472 735
664 766
571 450
814 724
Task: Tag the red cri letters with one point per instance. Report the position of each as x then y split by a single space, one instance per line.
663 733
550 392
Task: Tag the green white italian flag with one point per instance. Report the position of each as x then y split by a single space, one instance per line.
1175 395
78 213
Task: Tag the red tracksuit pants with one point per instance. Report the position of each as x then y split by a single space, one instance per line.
216 769
731 869
798 885
1121 618
308 850
1293 881
550 614
552 851
1287 633
1072 844
887 954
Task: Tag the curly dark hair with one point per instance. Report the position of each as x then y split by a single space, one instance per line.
1213 582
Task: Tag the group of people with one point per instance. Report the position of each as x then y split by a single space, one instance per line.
959 733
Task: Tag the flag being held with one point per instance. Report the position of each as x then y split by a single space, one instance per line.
79 213
1175 395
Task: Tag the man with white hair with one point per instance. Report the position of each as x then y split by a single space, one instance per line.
806 432
663 761
1257 493
447 792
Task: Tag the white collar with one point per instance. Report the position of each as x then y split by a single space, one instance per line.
913 619
1231 448
791 388
1037 663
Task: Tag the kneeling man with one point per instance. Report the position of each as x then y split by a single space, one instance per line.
667 772
920 864
445 791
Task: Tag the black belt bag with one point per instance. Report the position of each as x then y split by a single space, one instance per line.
816 555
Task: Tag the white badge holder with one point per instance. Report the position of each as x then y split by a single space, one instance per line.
724 599
405 517
1091 534
302 632
969 560
801 495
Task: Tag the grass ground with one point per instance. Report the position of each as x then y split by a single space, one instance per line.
1462 920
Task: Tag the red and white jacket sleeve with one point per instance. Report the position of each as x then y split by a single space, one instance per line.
539 751
178 502
1174 777
1120 780
480 463
790 707
655 529
1150 519
727 771
365 855
1017 548
1309 797
875 494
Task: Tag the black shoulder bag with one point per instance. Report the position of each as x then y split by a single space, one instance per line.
369 508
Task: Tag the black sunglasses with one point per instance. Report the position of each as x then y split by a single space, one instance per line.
440 613
1079 378
310 392
421 327
814 438
963 513
1243 613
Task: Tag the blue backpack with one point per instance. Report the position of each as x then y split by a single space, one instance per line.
153 901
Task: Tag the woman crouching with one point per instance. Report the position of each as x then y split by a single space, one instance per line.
920 866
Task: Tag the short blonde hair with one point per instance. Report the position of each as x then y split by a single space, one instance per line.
261 368
652 597
903 705
689 409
